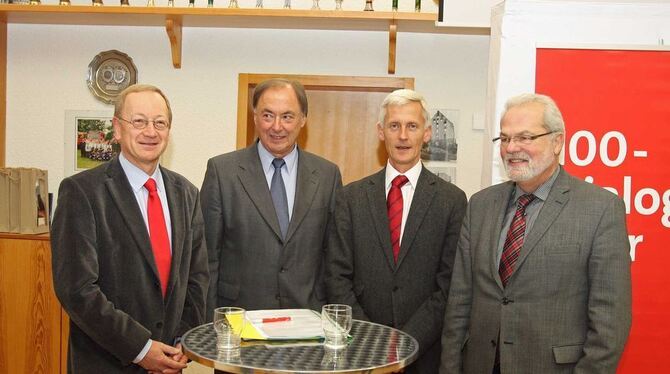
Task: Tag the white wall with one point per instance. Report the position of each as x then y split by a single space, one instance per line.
47 64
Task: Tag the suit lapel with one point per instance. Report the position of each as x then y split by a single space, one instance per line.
123 197
307 184
499 208
423 196
176 203
376 191
253 181
556 201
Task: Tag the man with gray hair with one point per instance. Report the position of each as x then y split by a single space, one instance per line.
541 279
392 246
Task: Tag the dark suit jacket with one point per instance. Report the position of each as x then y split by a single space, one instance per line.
105 275
410 295
250 265
566 307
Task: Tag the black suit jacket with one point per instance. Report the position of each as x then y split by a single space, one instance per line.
411 294
105 275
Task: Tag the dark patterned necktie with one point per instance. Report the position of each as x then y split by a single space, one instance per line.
160 243
514 239
394 204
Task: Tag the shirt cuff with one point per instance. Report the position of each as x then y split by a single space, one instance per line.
143 352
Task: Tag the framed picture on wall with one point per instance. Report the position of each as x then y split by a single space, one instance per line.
446 171
89 139
443 145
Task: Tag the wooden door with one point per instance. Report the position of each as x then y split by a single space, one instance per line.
341 123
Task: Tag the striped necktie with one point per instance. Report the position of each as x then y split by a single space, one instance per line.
514 239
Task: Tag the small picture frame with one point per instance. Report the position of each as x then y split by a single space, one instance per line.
443 170
443 144
89 140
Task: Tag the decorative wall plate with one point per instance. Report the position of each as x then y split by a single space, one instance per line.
109 73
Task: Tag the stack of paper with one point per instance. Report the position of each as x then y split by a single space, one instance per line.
282 324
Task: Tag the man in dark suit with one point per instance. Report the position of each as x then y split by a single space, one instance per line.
392 247
267 209
541 278
129 256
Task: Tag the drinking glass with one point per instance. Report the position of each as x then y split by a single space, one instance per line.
336 322
228 323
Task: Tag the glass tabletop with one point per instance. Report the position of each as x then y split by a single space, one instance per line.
373 348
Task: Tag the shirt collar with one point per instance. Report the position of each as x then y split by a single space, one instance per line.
412 174
136 176
542 192
266 157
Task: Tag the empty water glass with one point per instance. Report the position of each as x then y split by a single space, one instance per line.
228 323
336 322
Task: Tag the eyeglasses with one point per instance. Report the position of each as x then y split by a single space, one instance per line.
142 123
285 119
519 139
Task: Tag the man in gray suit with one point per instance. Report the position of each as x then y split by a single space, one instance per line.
267 209
392 248
129 257
541 279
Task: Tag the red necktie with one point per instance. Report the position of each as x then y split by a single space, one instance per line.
160 243
394 206
514 239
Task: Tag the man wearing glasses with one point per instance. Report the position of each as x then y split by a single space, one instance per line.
129 256
267 209
541 280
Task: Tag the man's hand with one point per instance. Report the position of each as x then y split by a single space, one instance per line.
163 358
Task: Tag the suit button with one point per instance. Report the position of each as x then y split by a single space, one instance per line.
395 288
159 325
506 301
493 343
277 297
283 270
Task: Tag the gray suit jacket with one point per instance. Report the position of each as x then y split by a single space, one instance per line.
250 265
410 295
566 308
105 275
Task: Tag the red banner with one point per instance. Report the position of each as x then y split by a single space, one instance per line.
616 106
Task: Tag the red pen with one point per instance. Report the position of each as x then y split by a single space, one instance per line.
276 319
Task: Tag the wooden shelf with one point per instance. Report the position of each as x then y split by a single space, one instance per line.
175 18
215 17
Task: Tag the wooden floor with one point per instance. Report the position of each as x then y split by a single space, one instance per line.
196 368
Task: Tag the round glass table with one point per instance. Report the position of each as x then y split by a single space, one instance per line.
373 348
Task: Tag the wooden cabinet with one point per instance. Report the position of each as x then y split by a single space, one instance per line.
33 326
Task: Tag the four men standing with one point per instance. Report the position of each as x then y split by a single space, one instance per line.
541 276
